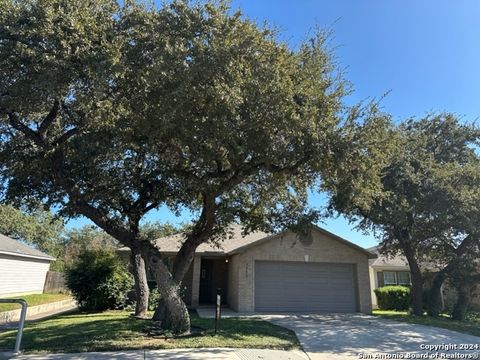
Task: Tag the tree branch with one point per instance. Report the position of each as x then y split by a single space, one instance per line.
48 119
17 124
241 175
57 164
76 198
465 245
152 206
201 232
64 138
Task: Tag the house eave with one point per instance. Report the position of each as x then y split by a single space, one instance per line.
10 253
390 268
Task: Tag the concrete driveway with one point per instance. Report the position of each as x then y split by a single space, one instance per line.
348 336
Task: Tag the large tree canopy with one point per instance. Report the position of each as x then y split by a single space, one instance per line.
39 228
429 204
60 144
109 112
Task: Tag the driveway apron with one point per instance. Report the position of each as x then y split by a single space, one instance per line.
358 336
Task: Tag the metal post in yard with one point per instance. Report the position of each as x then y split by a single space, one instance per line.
21 324
218 309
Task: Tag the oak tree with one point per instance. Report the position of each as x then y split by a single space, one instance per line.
427 208
110 111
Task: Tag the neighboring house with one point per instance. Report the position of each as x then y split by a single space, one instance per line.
280 272
387 270
394 270
22 268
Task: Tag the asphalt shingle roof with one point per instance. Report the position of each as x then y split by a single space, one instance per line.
235 239
235 242
387 261
17 248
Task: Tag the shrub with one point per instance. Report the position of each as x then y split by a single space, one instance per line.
472 316
99 281
153 299
393 297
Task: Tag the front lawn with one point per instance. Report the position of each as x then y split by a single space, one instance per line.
117 330
34 299
470 326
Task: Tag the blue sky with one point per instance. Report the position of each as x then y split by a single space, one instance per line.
426 54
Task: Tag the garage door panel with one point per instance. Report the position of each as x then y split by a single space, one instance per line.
304 287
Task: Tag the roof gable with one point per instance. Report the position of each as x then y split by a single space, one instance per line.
386 260
322 231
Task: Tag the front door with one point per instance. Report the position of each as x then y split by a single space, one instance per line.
206 273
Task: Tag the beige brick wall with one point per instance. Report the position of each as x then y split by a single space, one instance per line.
287 247
232 295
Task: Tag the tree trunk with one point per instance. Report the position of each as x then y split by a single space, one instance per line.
417 280
435 303
463 300
182 263
183 260
202 231
141 285
417 293
171 312
160 311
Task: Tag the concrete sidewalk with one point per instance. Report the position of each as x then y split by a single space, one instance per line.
178 354
38 312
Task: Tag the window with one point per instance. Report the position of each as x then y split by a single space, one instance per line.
150 276
389 278
403 278
396 278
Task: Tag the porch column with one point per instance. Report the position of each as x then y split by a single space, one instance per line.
196 280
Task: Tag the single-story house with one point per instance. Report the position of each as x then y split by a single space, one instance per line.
22 268
394 270
387 270
283 272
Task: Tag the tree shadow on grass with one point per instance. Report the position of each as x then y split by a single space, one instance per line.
79 332
111 331
239 329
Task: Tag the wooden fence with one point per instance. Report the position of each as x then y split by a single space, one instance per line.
55 282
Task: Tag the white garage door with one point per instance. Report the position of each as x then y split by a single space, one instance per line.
304 287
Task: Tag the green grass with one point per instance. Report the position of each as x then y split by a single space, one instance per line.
34 299
117 330
470 326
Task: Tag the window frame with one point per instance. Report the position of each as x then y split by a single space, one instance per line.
395 280
409 279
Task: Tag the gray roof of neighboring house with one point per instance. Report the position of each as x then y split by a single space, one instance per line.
387 261
13 247
236 242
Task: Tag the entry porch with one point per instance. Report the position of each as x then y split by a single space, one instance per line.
207 276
